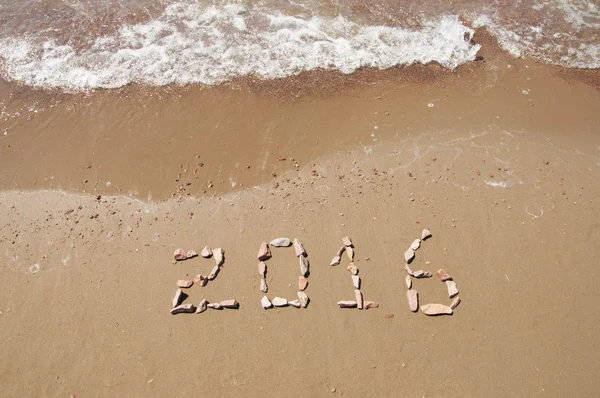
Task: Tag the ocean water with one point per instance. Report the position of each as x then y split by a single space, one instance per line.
79 45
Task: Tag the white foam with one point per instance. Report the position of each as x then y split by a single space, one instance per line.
209 45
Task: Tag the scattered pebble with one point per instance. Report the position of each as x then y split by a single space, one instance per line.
409 271
191 254
303 265
302 283
359 299
180 255
200 280
422 274
416 244
183 308
303 299
263 285
426 234
177 298
262 269
452 290
347 304
388 316
409 255
213 273
408 281
219 256
185 283
350 253
443 275
214 306
455 303
347 241
336 261
436 309
413 300
370 304
356 281
281 242
352 269
280 302
295 303
264 253
299 248
265 302
206 252
202 306
230 304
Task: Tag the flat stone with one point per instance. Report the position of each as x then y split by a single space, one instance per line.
200 280
413 300
426 234
350 253
416 244
229 304
281 242
265 302
422 274
303 265
388 316
409 255
214 306
409 270
303 299
370 304
295 303
436 309
299 248
452 290
455 303
347 241
302 283
180 255
202 306
264 253
336 261
191 254
352 269
219 256
178 297
206 252
183 309
280 302
341 251
184 283
356 281
443 275
213 273
263 285
262 269
359 299
408 281
347 304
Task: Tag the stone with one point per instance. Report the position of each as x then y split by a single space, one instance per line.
359 299
202 306
341 251
184 283
264 253
214 306
263 285
265 302
200 280
409 255
206 252
178 297
347 304
443 275
350 253
281 242
455 303
416 244
436 309
422 274
303 299
229 304
180 255
295 303
191 254
413 300
219 256
262 269
452 290
388 316
408 281
213 273
336 261
299 248
303 265
347 241
409 271
356 281
280 302
302 283
370 304
352 269
183 309
426 234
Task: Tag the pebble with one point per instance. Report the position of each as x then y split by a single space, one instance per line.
347 241
426 234
388 316
350 253
295 303
280 302
206 252
230 304
347 304
180 255
443 275
413 300
302 283
265 302
213 273
262 269
264 253
356 281
409 271
359 299
303 299
408 281
452 290
409 255
303 265
341 251
371 304
214 306
219 256
202 306
336 261
436 309
191 254
177 298
183 308
299 248
455 303
422 274
281 242
263 285
416 244
184 283
200 280
352 269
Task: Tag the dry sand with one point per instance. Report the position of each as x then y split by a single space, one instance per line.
507 182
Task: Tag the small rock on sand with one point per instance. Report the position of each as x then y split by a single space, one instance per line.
191 254
347 304
455 303
347 241
422 274
413 300
281 242
436 309
359 299
452 290
409 270
184 283
200 280
219 256
303 299
408 281
443 275
265 302
302 283
388 316
336 261
409 255
295 303
262 269
264 253
213 273
356 281
350 253
352 269
214 306
177 298
416 244
280 302
370 304
180 254
206 252
229 304
341 251
183 308
426 234
299 248
303 265
263 285
202 306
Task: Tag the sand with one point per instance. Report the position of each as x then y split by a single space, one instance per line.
507 181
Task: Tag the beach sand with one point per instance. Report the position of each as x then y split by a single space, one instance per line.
503 168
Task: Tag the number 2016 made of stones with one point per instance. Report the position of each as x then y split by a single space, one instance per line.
302 301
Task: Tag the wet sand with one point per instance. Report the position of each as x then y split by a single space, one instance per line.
507 182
